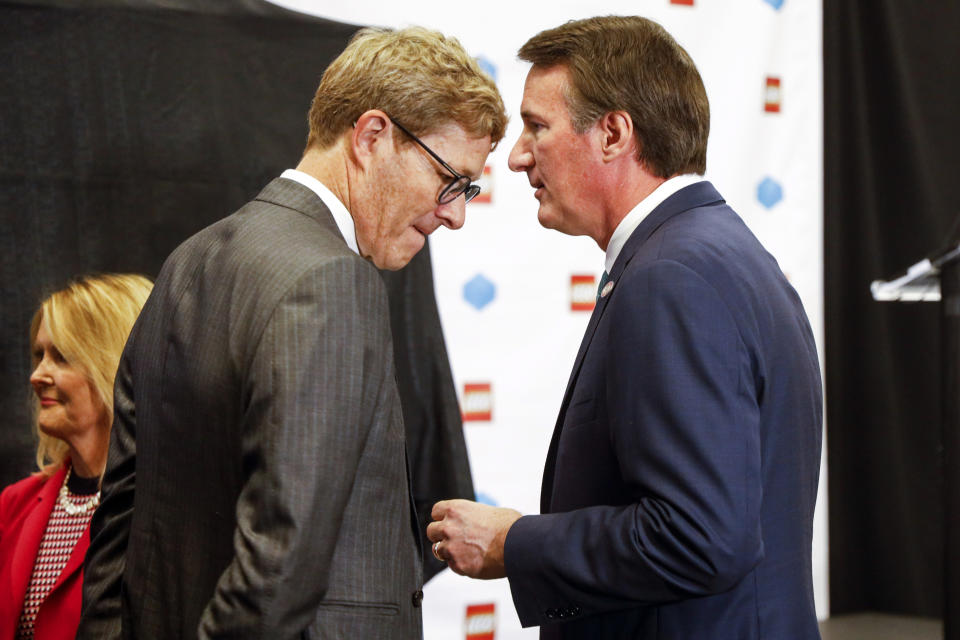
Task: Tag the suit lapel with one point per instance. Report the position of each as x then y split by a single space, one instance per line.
546 489
696 195
31 534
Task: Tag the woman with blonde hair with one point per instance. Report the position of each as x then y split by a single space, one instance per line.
76 336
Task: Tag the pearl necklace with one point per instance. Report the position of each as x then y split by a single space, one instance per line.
76 509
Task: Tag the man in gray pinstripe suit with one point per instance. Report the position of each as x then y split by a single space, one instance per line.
256 485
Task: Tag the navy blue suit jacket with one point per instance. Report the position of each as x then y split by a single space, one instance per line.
680 483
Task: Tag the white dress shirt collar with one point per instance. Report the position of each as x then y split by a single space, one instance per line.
340 214
641 211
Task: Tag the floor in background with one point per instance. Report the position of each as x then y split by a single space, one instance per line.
880 626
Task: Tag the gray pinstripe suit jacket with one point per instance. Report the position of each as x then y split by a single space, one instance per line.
256 485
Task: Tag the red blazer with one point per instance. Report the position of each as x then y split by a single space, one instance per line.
25 508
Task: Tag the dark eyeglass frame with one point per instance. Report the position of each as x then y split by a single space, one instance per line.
459 184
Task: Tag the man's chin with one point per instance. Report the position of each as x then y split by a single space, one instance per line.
399 256
546 220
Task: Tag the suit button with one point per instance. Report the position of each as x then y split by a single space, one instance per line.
551 613
573 611
417 598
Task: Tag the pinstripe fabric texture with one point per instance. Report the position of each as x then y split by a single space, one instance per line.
257 419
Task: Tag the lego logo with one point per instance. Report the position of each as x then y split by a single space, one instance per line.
771 100
482 623
582 293
477 401
486 186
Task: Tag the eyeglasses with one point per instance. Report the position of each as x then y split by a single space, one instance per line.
459 184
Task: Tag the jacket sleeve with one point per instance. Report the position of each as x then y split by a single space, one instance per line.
683 420
105 561
303 435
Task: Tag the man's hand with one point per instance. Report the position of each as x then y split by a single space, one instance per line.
469 537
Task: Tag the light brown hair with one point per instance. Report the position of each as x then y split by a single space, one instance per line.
420 77
631 64
88 321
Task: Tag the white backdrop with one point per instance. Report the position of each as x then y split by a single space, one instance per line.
508 289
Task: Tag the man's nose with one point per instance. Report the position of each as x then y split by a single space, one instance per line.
520 159
452 214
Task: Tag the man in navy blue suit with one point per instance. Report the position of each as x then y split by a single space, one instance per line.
679 487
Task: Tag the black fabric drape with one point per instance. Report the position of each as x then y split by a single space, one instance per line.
892 98
125 127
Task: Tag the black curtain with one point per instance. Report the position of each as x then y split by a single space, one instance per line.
892 133
126 126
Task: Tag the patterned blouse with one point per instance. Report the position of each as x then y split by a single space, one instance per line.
62 533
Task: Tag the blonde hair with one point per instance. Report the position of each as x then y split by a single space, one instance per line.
88 322
420 77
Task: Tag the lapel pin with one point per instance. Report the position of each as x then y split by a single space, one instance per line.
607 288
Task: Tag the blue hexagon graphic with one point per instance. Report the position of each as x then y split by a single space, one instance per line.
479 292
484 498
769 192
776 4
487 66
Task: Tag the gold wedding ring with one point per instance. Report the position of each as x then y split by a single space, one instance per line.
436 551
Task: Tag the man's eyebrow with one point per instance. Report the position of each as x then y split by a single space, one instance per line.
445 173
464 172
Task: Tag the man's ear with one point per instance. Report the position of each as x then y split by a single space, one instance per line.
616 135
371 132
